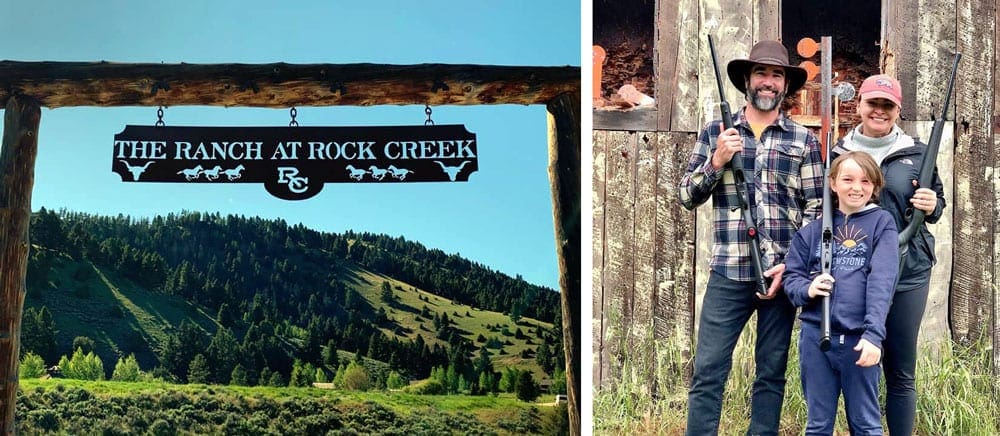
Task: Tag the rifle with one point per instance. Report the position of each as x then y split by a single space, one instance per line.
927 169
826 241
740 181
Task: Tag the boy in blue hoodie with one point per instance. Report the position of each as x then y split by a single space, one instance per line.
860 286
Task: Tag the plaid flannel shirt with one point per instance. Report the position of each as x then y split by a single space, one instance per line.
784 172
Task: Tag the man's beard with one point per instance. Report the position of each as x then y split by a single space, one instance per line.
765 104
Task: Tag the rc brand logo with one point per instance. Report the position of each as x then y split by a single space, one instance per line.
290 176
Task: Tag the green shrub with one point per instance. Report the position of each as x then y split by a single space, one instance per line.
82 366
127 369
395 381
356 378
32 366
426 387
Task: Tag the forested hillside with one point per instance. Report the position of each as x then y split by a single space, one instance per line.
246 300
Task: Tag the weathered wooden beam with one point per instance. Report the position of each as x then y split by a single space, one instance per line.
61 84
996 199
665 60
564 175
599 321
17 175
973 281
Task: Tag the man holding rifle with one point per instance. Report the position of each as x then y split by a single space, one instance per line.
782 180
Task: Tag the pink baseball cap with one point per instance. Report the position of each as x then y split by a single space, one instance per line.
882 86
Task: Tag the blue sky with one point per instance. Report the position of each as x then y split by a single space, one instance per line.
502 217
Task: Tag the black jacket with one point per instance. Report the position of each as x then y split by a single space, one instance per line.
900 169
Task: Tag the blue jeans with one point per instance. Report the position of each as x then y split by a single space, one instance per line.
727 307
827 374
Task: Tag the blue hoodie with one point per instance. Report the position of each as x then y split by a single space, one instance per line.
865 264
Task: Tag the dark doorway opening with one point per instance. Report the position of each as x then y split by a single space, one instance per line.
625 30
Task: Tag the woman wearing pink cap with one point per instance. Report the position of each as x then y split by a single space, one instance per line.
900 158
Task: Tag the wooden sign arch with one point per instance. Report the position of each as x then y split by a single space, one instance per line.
27 86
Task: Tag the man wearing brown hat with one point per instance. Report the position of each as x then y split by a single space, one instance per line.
784 177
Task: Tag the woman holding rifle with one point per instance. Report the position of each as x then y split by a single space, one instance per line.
900 158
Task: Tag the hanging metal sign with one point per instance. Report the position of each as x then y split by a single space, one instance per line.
293 163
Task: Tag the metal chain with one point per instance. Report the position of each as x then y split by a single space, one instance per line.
427 110
293 113
159 117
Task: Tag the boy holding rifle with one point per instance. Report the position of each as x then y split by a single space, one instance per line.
782 172
864 265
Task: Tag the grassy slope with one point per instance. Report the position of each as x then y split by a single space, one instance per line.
83 307
406 314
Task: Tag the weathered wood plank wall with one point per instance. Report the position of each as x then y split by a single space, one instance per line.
919 41
973 283
643 272
996 192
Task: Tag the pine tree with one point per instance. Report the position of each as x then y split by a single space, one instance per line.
38 333
127 369
265 377
451 376
222 355
276 380
321 376
508 380
527 388
338 377
544 358
198 370
239 376
558 382
386 294
330 357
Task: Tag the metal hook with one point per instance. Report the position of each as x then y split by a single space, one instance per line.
159 117
427 110
293 113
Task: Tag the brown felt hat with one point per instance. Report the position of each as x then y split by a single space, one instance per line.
766 53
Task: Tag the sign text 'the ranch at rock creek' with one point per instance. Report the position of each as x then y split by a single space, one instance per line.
293 163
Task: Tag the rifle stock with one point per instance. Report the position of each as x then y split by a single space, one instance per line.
753 240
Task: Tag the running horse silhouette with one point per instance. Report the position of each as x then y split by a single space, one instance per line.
191 173
213 173
355 173
377 173
135 170
452 171
399 173
234 173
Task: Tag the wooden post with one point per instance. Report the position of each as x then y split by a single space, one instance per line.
17 175
564 175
